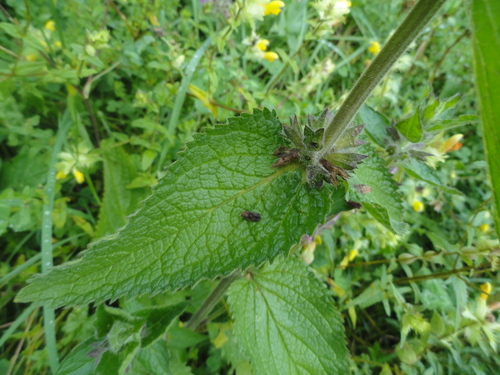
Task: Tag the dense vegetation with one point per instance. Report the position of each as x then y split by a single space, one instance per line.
395 248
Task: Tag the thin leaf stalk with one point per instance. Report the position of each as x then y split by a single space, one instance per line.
405 34
212 300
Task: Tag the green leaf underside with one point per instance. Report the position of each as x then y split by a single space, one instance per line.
384 196
425 173
80 360
191 227
485 16
286 323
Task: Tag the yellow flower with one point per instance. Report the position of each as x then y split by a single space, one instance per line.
205 99
79 177
60 175
58 44
262 44
50 25
418 206
349 258
484 228
374 47
452 143
486 288
274 7
31 57
353 254
271 56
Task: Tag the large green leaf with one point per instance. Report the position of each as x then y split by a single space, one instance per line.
486 16
191 227
118 201
285 321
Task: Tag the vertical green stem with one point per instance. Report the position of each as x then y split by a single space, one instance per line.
406 33
47 261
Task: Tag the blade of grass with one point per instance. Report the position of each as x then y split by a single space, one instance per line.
16 323
181 95
33 260
47 261
19 245
485 16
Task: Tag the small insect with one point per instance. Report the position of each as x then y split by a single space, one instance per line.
251 216
363 189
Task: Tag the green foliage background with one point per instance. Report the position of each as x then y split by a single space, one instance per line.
407 285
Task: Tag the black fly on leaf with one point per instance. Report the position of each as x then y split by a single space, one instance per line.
251 216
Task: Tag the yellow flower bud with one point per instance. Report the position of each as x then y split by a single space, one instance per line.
60 175
271 56
486 288
262 44
374 47
79 177
452 143
31 57
317 240
274 7
50 25
418 206
58 44
484 228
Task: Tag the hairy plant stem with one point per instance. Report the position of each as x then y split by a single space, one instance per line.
406 33
211 301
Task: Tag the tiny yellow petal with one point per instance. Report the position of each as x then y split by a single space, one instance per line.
353 254
79 177
60 175
271 56
418 206
486 288
374 47
317 240
345 261
58 44
31 57
484 228
153 19
50 25
274 7
262 44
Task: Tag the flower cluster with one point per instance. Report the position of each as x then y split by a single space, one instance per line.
331 13
255 10
258 49
72 162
